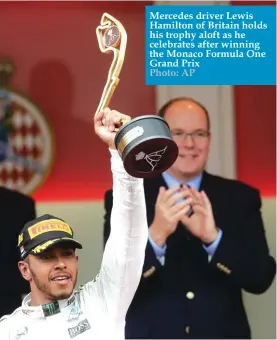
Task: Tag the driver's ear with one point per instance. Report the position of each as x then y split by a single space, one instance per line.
24 267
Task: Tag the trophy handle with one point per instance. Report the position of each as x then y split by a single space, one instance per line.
112 37
144 144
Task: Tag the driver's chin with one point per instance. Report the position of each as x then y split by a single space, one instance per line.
62 295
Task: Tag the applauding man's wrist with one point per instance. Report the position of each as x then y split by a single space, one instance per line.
211 237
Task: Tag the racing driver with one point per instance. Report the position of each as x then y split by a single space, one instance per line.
54 309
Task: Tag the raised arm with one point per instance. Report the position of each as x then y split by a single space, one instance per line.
124 253
123 257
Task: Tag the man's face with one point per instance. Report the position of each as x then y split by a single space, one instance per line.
185 117
52 274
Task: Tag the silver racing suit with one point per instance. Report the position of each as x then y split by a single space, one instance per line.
97 309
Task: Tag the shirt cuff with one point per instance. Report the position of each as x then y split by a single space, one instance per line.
159 251
213 246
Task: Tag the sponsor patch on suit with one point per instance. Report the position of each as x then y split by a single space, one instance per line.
80 328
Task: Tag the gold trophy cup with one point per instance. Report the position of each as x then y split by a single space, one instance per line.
144 143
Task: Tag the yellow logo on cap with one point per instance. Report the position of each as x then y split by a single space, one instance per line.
20 239
48 226
45 245
42 247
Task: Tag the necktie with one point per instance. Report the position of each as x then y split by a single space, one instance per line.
190 212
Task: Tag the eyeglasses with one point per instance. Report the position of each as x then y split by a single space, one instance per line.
197 136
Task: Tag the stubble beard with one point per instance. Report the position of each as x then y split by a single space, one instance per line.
45 289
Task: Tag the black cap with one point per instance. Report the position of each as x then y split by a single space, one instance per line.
44 232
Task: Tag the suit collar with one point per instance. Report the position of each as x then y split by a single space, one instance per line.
153 185
206 182
172 181
156 183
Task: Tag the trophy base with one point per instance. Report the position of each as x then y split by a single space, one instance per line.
146 146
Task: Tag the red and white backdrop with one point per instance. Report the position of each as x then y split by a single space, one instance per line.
60 68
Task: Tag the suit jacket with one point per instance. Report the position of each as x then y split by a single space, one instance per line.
15 210
190 297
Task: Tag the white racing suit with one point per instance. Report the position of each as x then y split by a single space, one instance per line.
96 310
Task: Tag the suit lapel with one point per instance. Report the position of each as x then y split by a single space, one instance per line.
213 189
205 181
152 185
151 190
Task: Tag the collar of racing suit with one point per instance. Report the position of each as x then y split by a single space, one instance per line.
47 309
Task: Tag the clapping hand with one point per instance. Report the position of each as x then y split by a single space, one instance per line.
201 223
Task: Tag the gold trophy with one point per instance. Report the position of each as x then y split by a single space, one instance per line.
144 143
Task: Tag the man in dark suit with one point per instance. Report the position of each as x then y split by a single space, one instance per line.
192 280
15 210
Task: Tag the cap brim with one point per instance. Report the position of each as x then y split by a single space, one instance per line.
51 243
